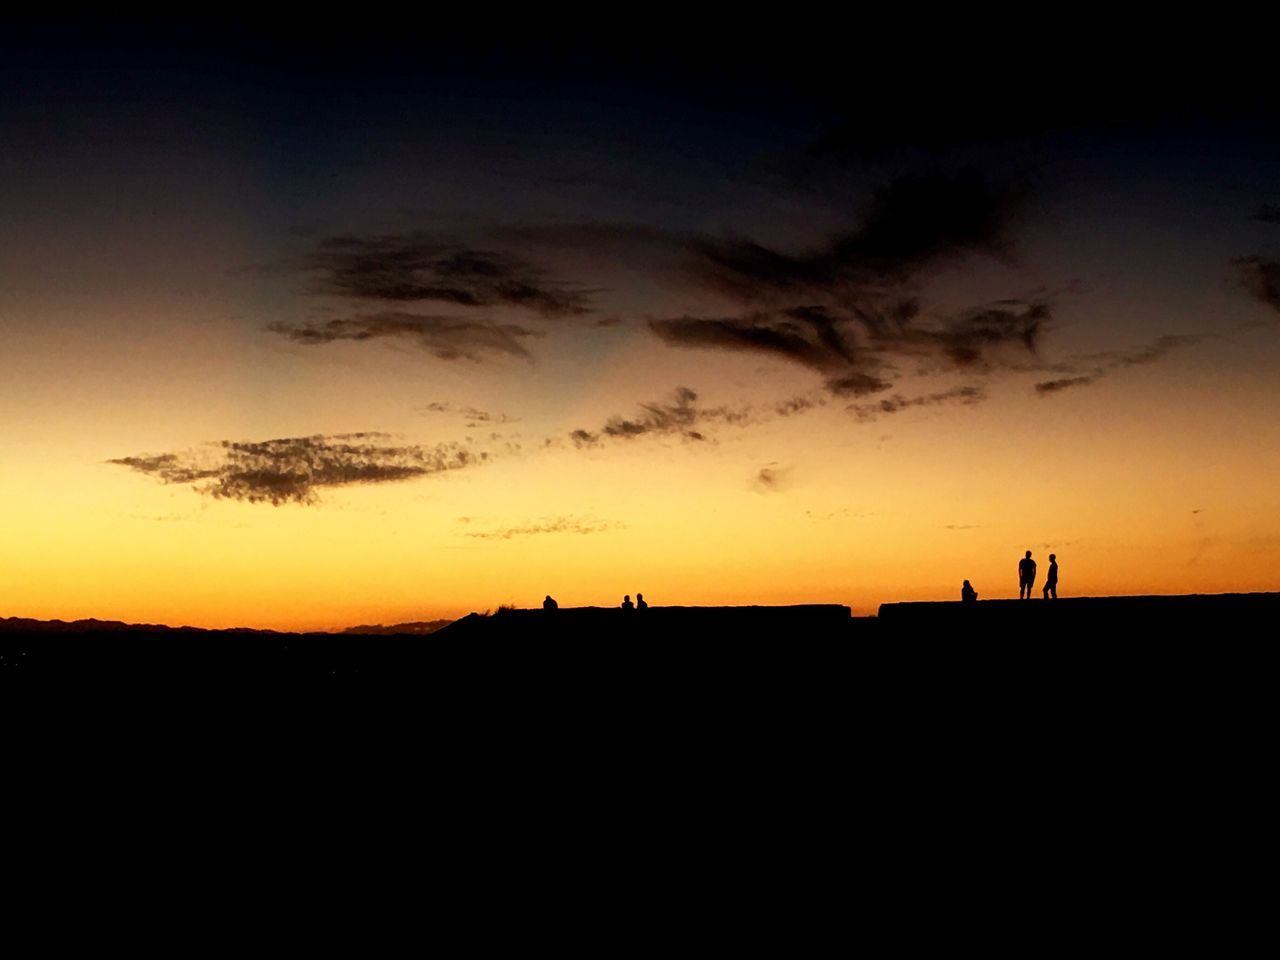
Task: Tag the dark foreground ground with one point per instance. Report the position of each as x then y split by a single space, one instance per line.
1027 776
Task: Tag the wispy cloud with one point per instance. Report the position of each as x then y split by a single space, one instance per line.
448 338
1098 365
1066 383
681 415
420 267
293 470
963 395
474 416
859 354
552 525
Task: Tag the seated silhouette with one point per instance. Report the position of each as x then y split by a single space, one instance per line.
549 603
968 594
640 604
627 604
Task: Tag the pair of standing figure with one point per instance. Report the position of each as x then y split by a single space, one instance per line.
1027 577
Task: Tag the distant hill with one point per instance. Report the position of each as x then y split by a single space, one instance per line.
418 628
92 625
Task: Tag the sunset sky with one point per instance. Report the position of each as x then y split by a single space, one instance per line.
305 328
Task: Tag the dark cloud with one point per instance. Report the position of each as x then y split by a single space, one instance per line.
680 415
849 309
571 525
856 351
1096 366
292 470
1268 213
761 333
912 224
415 267
966 395
1261 277
448 338
971 337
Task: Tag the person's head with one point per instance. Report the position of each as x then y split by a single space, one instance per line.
627 598
966 583
1028 554
639 596
1053 558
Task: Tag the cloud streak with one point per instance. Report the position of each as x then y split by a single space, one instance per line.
963 395
556 525
1105 363
295 469
680 415
474 417
448 338
859 353
420 267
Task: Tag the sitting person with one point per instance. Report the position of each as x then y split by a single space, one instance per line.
627 604
968 594
549 603
640 604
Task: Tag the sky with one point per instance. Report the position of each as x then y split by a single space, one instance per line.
311 326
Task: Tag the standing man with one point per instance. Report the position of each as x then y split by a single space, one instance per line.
1026 576
1051 584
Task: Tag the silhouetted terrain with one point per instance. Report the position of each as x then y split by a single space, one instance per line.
660 624
1087 618
775 650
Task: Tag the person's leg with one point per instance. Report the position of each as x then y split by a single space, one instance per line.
1047 587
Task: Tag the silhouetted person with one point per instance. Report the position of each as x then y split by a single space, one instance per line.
627 604
550 603
1026 576
968 594
1051 584
640 604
